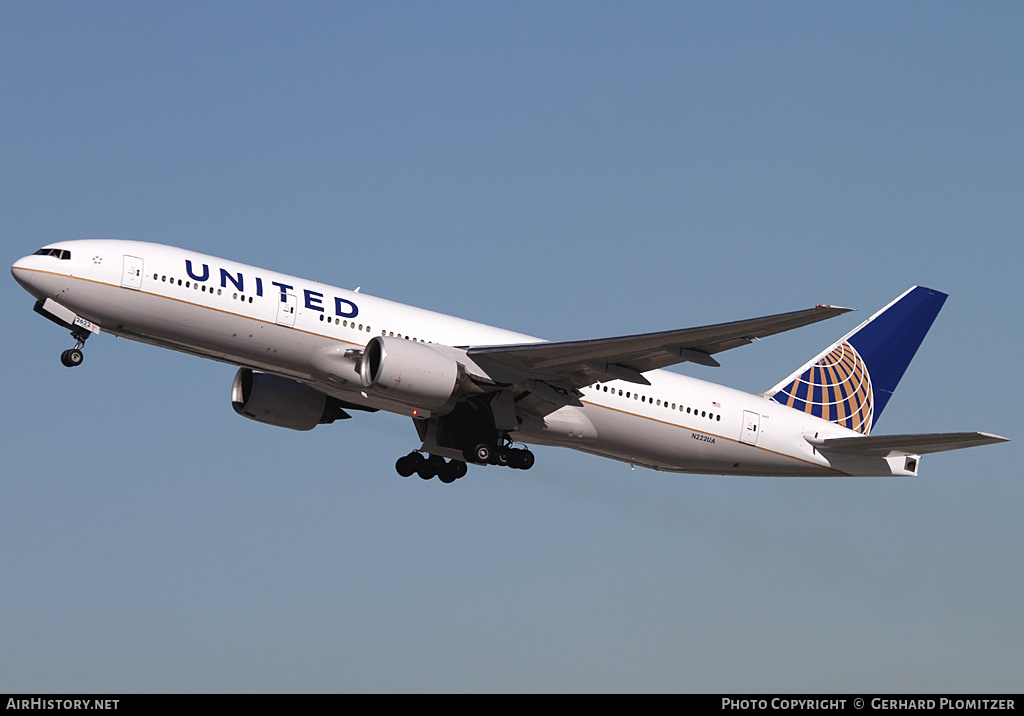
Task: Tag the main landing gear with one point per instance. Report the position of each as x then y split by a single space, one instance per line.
449 471
468 435
500 455
74 356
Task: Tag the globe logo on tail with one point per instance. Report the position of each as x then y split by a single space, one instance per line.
836 388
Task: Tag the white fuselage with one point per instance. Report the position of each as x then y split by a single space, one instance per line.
260 319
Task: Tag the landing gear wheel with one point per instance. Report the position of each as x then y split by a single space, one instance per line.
408 464
521 459
72 357
451 471
480 453
527 460
431 467
502 456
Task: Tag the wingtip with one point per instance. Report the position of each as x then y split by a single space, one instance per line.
837 309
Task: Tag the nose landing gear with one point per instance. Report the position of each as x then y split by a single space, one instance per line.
74 356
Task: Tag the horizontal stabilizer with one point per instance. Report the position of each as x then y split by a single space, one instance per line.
884 445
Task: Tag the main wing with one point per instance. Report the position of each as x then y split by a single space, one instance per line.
569 365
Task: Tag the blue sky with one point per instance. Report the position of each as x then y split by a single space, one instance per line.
565 170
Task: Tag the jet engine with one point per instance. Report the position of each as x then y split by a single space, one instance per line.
409 372
286 403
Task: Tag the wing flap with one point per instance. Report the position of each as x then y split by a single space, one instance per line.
919 444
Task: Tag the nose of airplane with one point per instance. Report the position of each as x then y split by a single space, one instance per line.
22 270
20 266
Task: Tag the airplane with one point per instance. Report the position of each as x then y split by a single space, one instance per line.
310 354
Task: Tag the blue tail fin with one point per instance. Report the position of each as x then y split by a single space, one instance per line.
851 381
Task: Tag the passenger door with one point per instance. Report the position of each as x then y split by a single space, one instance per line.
131 274
286 310
751 421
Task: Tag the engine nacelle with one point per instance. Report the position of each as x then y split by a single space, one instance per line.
412 373
278 401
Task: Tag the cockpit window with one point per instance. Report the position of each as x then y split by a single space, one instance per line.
62 254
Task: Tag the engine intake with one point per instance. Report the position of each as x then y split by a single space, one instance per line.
286 403
409 372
